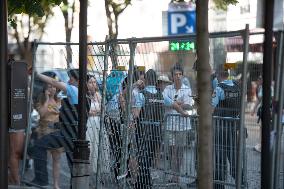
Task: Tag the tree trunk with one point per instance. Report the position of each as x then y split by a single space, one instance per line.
68 30
205 135
112 32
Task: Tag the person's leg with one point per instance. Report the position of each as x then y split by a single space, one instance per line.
220 157
257 147
144 156
16 151
115 142
56 154
232 150
39 154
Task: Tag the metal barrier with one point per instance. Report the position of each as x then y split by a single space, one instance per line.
113 135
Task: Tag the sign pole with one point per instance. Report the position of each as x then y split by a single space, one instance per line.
3 97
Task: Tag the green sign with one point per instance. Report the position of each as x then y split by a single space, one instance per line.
182 46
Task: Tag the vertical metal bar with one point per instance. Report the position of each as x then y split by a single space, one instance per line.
241 138
278 122
29 108
125 133
3 97
82 69
266 180
103 109
81 154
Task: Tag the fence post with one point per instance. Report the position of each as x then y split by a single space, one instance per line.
241 139
277 118
31 84
103 109
125 127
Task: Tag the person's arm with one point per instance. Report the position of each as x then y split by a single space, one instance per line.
217 95
139 101
43 108
258 101
179 109
171 103
51 81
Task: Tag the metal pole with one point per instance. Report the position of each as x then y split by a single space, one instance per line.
82 69
125 129
266 100
29 109
103 109
80 169
243 104
280 100
3 97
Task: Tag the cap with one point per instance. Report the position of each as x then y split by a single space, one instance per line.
164 78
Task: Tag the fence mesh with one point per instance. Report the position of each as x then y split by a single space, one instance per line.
145 142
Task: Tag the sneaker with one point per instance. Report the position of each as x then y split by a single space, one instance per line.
257 148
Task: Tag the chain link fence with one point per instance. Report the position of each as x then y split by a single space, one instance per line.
136 139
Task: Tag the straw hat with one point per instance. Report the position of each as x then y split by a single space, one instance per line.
164 78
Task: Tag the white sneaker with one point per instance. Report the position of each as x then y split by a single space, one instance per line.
257 148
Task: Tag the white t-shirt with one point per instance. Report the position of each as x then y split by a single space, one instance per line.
174 121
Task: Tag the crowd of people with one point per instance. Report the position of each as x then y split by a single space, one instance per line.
157 114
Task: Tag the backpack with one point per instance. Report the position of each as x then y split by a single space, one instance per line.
230 106
153 110
113 83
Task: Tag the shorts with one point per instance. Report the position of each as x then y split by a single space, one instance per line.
177 138
12 130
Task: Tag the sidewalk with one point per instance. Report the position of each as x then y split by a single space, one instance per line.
20 187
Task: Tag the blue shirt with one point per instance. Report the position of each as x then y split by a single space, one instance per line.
151 89
218 93
72 93
137 98
214 83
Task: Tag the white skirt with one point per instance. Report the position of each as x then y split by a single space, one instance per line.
93 130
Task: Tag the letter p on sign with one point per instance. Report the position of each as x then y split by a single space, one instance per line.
177 20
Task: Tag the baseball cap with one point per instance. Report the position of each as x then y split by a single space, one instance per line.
164 78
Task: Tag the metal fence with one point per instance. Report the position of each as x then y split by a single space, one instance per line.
129 152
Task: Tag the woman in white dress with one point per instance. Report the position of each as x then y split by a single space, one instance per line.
93 129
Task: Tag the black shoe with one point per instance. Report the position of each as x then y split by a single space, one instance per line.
37 183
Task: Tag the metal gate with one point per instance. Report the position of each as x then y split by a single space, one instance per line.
124 155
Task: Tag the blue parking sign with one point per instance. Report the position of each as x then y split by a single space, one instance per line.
181 22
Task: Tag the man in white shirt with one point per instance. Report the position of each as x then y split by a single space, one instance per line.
178 100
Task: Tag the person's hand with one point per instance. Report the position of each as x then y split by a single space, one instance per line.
180 103
140 84
47 93
122 102
184 113
93 113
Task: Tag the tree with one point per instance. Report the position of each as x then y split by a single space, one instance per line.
68 10
28 20
113 9
205 130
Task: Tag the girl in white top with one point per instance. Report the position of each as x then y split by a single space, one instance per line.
93 128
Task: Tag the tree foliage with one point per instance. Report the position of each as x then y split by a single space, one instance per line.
28 18
223 4
32 8
220 4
